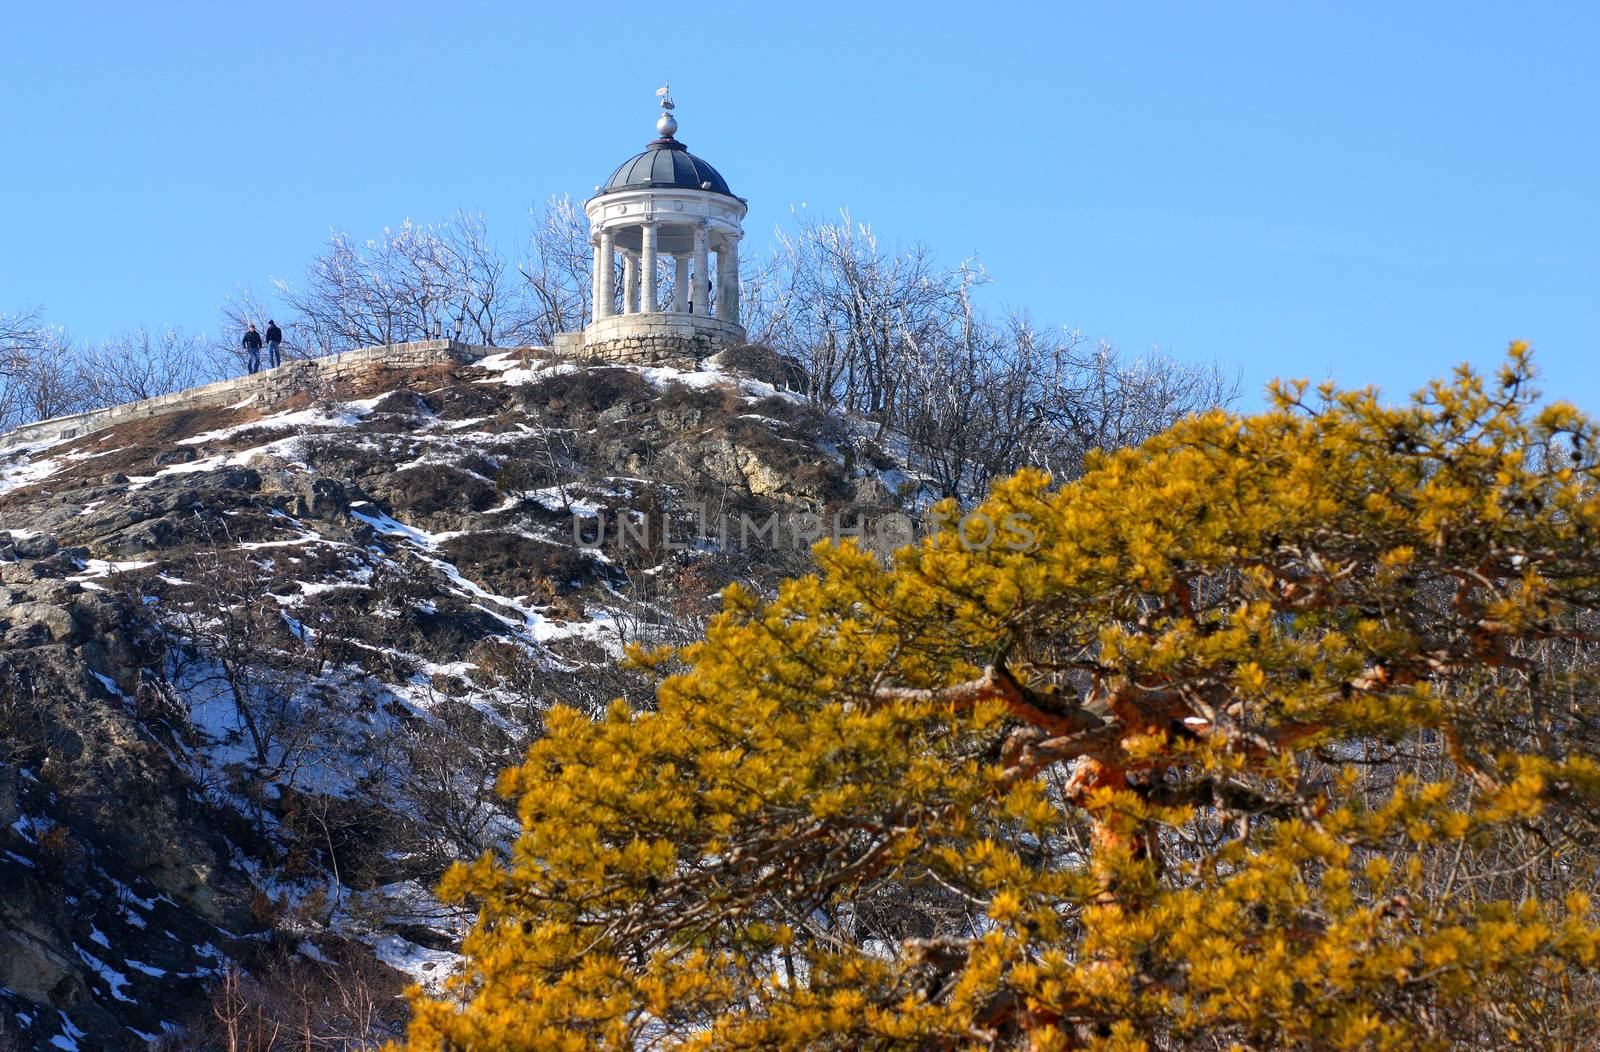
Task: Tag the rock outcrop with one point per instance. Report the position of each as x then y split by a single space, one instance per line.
262 662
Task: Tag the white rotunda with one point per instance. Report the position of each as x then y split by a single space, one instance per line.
663 208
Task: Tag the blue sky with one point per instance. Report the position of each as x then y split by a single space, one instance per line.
1364 191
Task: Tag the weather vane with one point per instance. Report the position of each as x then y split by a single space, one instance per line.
664 93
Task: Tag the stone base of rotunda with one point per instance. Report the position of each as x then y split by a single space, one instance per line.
652 339
654 349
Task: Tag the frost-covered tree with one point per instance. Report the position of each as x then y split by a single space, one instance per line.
1272 732
413 282
557 273
244 307
41 376
140 364
17 331
885 331
852 309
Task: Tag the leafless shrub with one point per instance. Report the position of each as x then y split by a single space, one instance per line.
452 759
345 1001
222 635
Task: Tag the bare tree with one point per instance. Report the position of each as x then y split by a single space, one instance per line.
963 408
450 760
557 272
889 334
984 400
242 308
19 337
132 366
44 379
17 334
1097 397
413 282
43 374
227 639
487 308
852 311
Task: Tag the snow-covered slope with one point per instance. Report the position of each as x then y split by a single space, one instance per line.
260 665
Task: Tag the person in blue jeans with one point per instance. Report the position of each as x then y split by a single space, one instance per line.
252 349
274 339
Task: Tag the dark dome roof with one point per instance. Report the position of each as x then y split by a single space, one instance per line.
666 163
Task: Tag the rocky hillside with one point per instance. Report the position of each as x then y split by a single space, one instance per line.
261 663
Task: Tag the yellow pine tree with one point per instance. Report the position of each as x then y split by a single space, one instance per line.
1275 732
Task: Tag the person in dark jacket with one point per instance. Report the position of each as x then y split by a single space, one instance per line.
252 349
274 338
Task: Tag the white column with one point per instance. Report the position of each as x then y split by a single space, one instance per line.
605 277
702 273
723 267
680 283
647 264
630 283
729 264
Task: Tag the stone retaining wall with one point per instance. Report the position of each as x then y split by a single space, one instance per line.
270 385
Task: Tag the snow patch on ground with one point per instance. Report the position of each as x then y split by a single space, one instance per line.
19 468
348 413
112 978
601 627
428 968
70 1034
146 969
284 448
513 372
93 569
